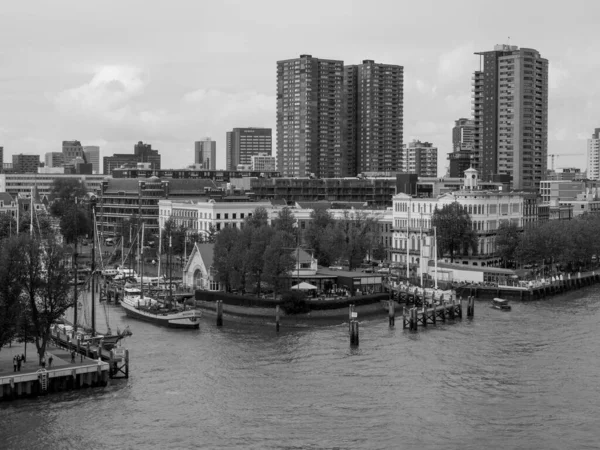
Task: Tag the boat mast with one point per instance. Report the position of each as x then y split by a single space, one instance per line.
170 268
75 273
93 269
142 263
159 250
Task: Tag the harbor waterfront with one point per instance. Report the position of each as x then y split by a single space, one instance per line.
522 379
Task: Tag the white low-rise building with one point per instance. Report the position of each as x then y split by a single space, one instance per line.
204 215
412 218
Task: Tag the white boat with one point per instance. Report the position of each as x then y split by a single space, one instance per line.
153 311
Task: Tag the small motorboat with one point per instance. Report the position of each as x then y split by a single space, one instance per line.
500 303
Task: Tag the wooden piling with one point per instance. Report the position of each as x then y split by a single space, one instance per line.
404 317
219 313
277 318
434 312
350 311
354 332
392 313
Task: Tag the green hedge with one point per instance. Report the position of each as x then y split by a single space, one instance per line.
313 304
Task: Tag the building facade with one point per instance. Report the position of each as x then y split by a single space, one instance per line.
244 143
1 158
143 153
54 159
593 156
17 183
373 117
413 232
205 153
263 163
462 147
25 163
420 158
309 117
510 109
92 156
202 215
121 199
146 154
71 150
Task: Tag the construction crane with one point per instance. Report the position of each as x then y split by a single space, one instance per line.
563 154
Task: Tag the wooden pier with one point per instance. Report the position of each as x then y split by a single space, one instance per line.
117 358
446 310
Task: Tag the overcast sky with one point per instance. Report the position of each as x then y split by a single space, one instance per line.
112 73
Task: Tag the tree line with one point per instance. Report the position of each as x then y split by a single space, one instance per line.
35 284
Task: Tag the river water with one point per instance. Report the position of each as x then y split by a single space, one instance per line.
525 379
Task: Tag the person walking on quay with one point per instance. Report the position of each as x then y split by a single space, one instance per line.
50 359
43 361
23 358
18 363
72 356
15 362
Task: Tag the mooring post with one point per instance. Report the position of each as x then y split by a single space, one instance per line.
392 312
277 318
219 313
354 332
350 311
126 363
403 317
434 312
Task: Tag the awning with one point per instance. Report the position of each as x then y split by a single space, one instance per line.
304 286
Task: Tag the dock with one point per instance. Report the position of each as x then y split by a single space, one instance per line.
63 375
117 358
445 310
539 290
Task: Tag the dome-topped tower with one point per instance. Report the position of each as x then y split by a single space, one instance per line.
471 179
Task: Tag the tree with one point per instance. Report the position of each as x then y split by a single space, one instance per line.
455 234
225 255
285 221
64 192
360 233
278 260
379 252
11 270
75 223
255 254
508 239
46 286
8 226
259 218
320 220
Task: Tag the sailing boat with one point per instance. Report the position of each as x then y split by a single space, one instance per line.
151 310
107 339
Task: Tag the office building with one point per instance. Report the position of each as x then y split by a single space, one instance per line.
263 163
372 117
92 156
243 143
71 150
510 110
53 159
146 154
25 163
23 183
309 117
462 147
143 153
420 158
205 153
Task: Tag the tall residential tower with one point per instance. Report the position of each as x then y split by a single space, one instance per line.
373 117
510 109
309 117
205 153
593 156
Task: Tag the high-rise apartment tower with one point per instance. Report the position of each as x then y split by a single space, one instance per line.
510 109
593 156
309 117
373 117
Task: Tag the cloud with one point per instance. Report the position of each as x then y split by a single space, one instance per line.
108 92
557 75
426 88
456 64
